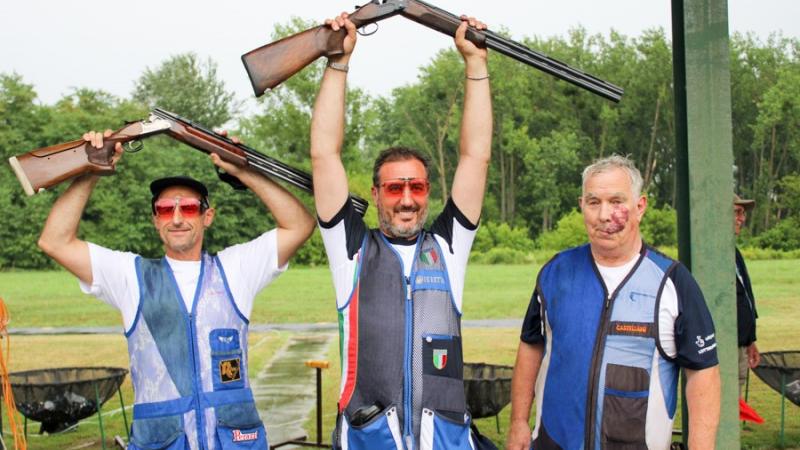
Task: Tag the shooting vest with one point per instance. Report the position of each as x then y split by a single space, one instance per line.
606 382
189 369
402 370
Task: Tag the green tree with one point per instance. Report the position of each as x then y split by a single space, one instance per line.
187 86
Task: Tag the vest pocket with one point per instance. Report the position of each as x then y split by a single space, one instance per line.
625 407
379 432
226 359
160 433
442 431
239 427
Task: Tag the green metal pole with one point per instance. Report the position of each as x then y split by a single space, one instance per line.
99 415
704 183
783 403
124 416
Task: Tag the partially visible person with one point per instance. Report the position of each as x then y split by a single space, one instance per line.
746 313
186 314
609 325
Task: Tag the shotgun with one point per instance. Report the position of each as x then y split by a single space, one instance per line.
271 64
46 167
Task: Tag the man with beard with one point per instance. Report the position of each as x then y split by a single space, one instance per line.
186 315
399 287
608 326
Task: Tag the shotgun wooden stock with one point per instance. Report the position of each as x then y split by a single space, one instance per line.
46 167
272 64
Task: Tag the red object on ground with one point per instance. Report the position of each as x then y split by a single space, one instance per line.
748 413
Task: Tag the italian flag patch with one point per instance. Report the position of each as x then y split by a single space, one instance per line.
439 358
429 257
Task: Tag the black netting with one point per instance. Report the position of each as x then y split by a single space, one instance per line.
775 366
487 388
59 398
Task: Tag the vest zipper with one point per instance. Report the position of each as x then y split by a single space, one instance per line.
597 362
196 400
408 378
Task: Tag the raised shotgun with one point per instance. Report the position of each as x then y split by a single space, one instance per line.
46 167
271 64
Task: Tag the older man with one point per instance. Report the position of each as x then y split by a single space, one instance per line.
398 288
746 313
608 326
186 314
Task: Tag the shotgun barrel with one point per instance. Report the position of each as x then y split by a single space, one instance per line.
255 159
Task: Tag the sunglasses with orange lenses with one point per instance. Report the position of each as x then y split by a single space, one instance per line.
395 188
165 208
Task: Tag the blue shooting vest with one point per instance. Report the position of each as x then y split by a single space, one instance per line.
189 369
402 368
606 379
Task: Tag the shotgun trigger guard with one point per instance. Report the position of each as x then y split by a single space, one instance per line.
133 146
364 31
230 179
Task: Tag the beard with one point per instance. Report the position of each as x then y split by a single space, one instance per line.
406 232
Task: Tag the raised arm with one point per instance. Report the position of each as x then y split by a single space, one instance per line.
327 129
475 142
526 369
59 238
703 404
294 223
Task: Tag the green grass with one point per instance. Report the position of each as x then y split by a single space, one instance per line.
52 299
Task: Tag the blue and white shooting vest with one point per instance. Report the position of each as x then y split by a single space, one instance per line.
606 382
402 369
189 368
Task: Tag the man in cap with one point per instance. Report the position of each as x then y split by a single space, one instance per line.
746 313
186 314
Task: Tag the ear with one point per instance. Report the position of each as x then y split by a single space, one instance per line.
374 191
580 203
641 205
208 217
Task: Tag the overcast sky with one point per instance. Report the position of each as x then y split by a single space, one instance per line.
61 45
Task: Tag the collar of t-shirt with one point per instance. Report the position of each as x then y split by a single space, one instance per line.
406 249
186 274
613 276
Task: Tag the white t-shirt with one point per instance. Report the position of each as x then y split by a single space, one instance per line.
668 307
249 267
343 236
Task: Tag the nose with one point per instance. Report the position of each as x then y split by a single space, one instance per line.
177 217
406 198
605 211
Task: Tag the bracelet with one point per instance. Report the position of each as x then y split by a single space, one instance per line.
338 66
485 77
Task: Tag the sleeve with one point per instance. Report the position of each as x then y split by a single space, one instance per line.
250 267
351 228
532 324
695 339
444 224
342 237
114 280
455 235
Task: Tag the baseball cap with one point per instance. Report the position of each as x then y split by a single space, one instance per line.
158 186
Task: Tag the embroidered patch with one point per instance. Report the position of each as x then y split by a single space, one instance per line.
229 370
439 358
238 436
631 328
429 257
